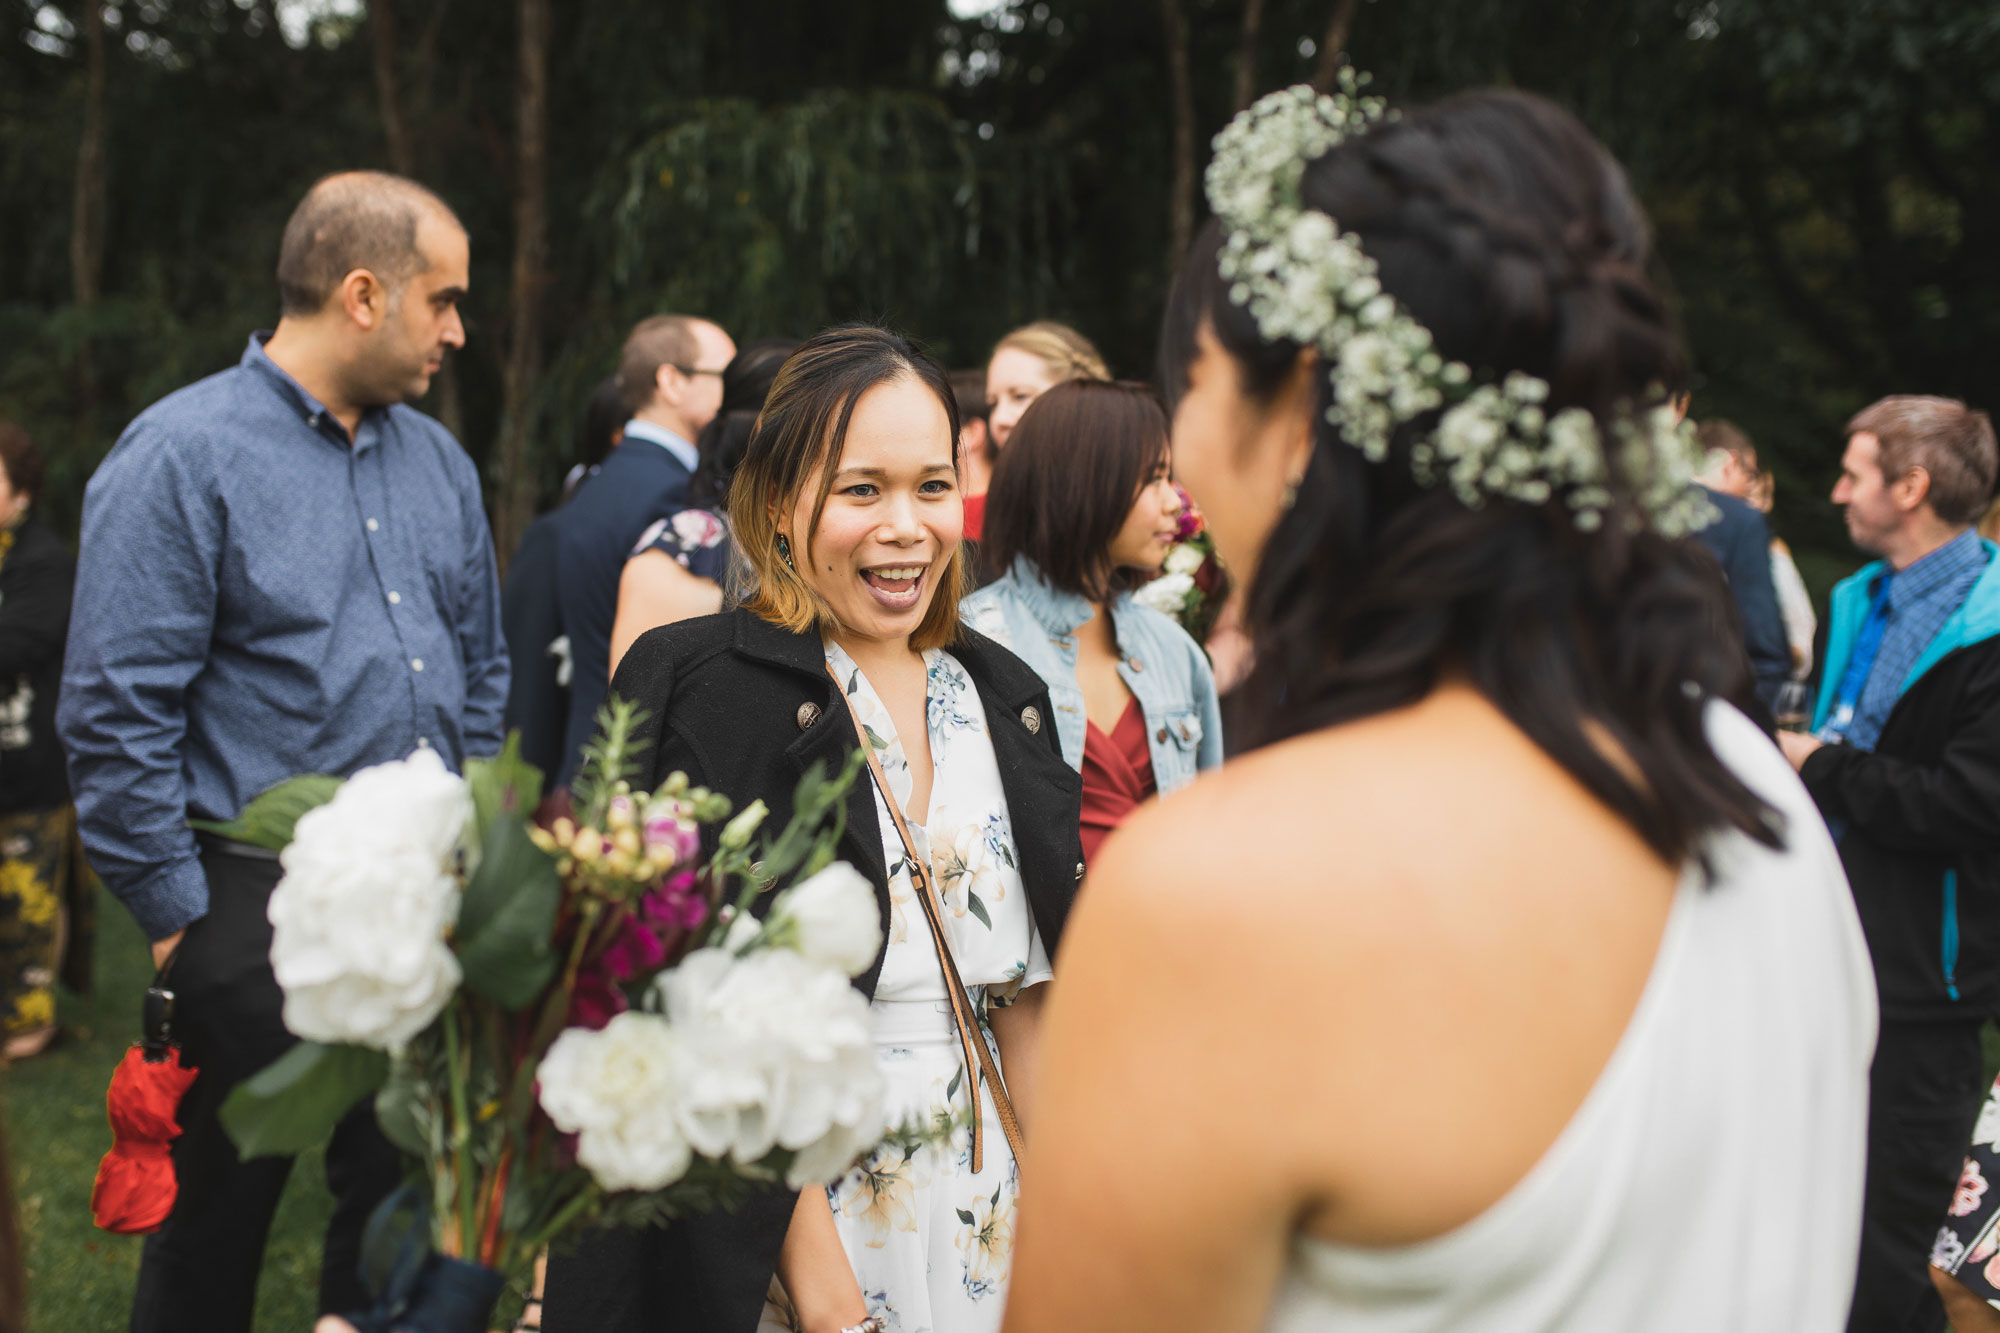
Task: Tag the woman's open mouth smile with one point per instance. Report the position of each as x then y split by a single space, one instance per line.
896 587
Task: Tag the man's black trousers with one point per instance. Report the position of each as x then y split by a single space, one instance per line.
199 1271
1924 1093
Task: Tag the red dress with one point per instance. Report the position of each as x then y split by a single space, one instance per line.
1117 775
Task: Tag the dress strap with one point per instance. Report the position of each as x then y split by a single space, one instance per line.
978 1059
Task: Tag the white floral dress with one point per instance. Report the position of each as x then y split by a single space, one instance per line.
931 1240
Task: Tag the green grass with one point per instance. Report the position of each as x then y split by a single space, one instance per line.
80 1278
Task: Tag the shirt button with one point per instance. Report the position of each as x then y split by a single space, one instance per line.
395 599
423 742
373 525
416 664
1135 664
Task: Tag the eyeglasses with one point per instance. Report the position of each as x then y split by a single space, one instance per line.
692 371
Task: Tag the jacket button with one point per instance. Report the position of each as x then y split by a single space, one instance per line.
808 714
1135 664
1031 718
1079 872
1161 736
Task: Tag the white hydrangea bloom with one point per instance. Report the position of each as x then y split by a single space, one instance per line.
614 1089
1166 594
832 918
358 921
779 1054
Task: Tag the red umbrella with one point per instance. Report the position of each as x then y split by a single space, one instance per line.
135 1187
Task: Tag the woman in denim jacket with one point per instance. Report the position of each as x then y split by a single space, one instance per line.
1081 511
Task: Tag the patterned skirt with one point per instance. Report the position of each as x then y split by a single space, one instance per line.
1968 1244
41 868
930 1239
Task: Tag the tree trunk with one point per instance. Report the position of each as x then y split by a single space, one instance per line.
389 87
386 41
1180 207
1335 43
1246 52
514 504
86 237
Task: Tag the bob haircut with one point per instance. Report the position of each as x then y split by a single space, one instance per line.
798 442
1067 480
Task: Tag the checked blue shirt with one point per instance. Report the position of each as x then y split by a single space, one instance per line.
1919 600
256 598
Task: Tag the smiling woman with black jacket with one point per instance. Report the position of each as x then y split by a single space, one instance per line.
846 506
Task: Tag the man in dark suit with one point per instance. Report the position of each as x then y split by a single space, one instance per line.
670 374
1741 543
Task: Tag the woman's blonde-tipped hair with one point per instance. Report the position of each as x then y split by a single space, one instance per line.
1068 354
797 443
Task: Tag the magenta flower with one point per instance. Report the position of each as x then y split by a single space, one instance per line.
595 1001
636 950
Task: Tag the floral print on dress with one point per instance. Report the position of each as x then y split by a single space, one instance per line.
931 1240
697 539
1968 1244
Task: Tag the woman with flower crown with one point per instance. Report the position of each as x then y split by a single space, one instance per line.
1507 979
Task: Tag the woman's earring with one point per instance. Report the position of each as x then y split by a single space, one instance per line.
785 552
1290 495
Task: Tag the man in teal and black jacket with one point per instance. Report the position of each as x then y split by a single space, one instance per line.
1904 762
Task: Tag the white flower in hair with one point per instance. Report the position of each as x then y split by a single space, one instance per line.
1303 280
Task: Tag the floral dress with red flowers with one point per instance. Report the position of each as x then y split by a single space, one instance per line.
1968 1244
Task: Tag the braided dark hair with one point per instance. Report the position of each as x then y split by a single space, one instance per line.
1505 229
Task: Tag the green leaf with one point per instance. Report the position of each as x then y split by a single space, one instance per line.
508 913
294 1102
505 783
963 1216
978 909
399 1112
269 819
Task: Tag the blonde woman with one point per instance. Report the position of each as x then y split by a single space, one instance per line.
1026 364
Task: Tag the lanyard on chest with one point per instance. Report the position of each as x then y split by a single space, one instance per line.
978 1059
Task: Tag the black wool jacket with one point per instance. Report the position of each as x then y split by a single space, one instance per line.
1918 822
744 707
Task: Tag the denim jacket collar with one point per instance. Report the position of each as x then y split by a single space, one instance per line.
1060 613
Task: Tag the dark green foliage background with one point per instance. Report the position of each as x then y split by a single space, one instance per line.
1825 180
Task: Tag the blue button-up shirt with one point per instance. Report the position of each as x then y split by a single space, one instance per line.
256 598
1920 599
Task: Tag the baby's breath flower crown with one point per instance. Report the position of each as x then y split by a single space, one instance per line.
1302 278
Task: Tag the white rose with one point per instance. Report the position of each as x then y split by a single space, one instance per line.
832 918
778 1053
613 1090
358 921
415 801
1184 560
1166 594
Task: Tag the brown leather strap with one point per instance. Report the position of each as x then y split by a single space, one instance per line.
978 1059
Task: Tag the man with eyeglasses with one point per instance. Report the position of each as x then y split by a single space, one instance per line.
670 374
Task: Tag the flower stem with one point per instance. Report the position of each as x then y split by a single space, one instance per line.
461 1137
569 1213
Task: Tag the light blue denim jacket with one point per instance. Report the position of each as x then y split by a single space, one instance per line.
1165 669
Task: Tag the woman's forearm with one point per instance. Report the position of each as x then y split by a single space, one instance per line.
1018 1030
814 1269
